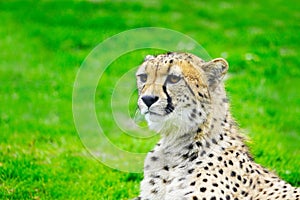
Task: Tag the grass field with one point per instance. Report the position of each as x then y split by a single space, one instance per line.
43 44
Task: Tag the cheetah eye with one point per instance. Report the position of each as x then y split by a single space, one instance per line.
143 77
173 78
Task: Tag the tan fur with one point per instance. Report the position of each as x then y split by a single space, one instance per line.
201 155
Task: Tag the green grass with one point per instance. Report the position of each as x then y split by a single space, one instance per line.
43 44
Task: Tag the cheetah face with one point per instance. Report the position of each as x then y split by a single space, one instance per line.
174 91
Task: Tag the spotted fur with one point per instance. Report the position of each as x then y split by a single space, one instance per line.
201 155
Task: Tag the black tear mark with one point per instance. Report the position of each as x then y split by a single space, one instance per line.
170 106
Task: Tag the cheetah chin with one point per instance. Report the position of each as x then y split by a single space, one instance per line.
201 155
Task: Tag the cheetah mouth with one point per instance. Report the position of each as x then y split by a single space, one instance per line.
153 113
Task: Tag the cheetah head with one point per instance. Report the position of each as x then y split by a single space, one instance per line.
175 90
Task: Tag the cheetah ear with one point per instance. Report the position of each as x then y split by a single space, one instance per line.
215 71
149 57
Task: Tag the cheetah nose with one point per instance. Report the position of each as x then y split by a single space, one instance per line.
149 100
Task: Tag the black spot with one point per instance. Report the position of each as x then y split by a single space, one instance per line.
154 176
199 130
154 191
225 163
193 183
234 189
230 162
225 100
213 198
190 192
207 144
204 180
198 162
152 182
210 164
202 153
239 177
267 181
198 175
195 198
221 171
185 156
166 168
215 184
190 146
206 168
241 165
220 158
227 197
232 173
193 156
221 137
214 141
198 144
202 189
154 158
200 94
210 155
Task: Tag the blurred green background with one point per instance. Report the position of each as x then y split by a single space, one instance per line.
43 43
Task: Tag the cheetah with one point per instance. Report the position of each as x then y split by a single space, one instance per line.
201 155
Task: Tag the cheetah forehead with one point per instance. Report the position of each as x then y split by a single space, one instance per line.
175 63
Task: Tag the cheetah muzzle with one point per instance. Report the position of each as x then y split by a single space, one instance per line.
201 155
